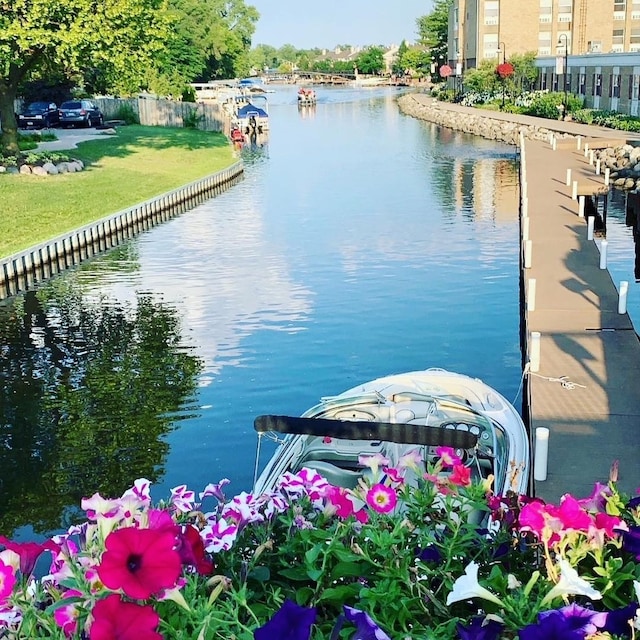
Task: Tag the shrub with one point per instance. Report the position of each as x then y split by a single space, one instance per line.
192 119
127 113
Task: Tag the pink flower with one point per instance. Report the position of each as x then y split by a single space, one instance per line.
182 498
340 500
191 550
118 620
381 499
411 460
141 562
66 616
29 552
572 515
460 476
448 456
7 580
219 536
374 462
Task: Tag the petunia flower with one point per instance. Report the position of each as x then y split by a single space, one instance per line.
141 490
631 540
215 490
66 616
341 502
219 535
29 552
291 622
114 619
182 498
570 583
381 499
467 587
460 476
141 562
411 460
7 580
374 462
480 629
448 456
366 628
569 623
190 547
617 622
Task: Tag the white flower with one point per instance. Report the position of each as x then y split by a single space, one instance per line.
570 583
467 587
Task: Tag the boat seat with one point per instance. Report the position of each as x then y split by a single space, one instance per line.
333 474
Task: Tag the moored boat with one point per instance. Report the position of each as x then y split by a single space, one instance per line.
396 414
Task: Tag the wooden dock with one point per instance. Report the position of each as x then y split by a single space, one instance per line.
585 385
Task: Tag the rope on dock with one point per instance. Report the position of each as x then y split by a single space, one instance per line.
563 380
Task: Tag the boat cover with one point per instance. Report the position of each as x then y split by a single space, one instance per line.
251 110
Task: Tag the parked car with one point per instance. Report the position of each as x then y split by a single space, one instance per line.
83 113
38 115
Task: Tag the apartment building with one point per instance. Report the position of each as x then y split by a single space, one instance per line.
495 29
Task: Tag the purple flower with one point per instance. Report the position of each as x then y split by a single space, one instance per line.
631 540
429 554
618 620
478 630
569 623
366 629
633 503
291 622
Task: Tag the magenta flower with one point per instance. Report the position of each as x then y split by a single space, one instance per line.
381 499
215 490
66 616
141 562
29 552
291 622
340 500
448 456
191 550
182 498
219 535
114 619
7 580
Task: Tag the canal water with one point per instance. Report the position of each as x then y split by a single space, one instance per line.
361 243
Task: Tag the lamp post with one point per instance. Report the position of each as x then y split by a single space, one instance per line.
502 48
564 69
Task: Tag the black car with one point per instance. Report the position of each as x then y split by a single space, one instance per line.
83 113
38 115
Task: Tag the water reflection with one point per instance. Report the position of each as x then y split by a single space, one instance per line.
87 391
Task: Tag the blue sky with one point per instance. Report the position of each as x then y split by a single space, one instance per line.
327 23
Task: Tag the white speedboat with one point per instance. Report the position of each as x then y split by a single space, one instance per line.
395 414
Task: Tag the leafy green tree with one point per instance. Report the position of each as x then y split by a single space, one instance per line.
121 37
433 28
525 71
371 60
398 67
483 78
416 60
263 56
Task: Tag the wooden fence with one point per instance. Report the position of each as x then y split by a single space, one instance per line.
168 113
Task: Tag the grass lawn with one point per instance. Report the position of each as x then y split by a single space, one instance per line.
136 164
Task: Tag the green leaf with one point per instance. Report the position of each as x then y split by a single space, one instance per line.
341 594
261 574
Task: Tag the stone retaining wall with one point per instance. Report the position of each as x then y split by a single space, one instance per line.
478 124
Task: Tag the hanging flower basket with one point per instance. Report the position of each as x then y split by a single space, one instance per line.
445 71
505 70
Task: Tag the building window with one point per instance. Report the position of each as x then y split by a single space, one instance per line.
618 36
546 10
565 8
582 84
597 84
490 45
619 5
634 85
554 82
543 81
614 85
544 43
491 11
635 35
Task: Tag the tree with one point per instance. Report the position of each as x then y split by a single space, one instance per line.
526 72
120 37
371 60
415 60
433 29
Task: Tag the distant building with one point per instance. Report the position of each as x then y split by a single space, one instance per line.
494 29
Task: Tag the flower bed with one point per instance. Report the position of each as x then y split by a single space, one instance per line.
406 555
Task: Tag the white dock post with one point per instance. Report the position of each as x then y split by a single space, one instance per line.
528 250
603 254
531 294
525 207
590 224
607 172
622 299
525 190
598 166
574 193
525 228
541 454
581 207
534 358
568 182
591 156
579 142
553 143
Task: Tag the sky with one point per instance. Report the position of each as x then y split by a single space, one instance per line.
327 23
